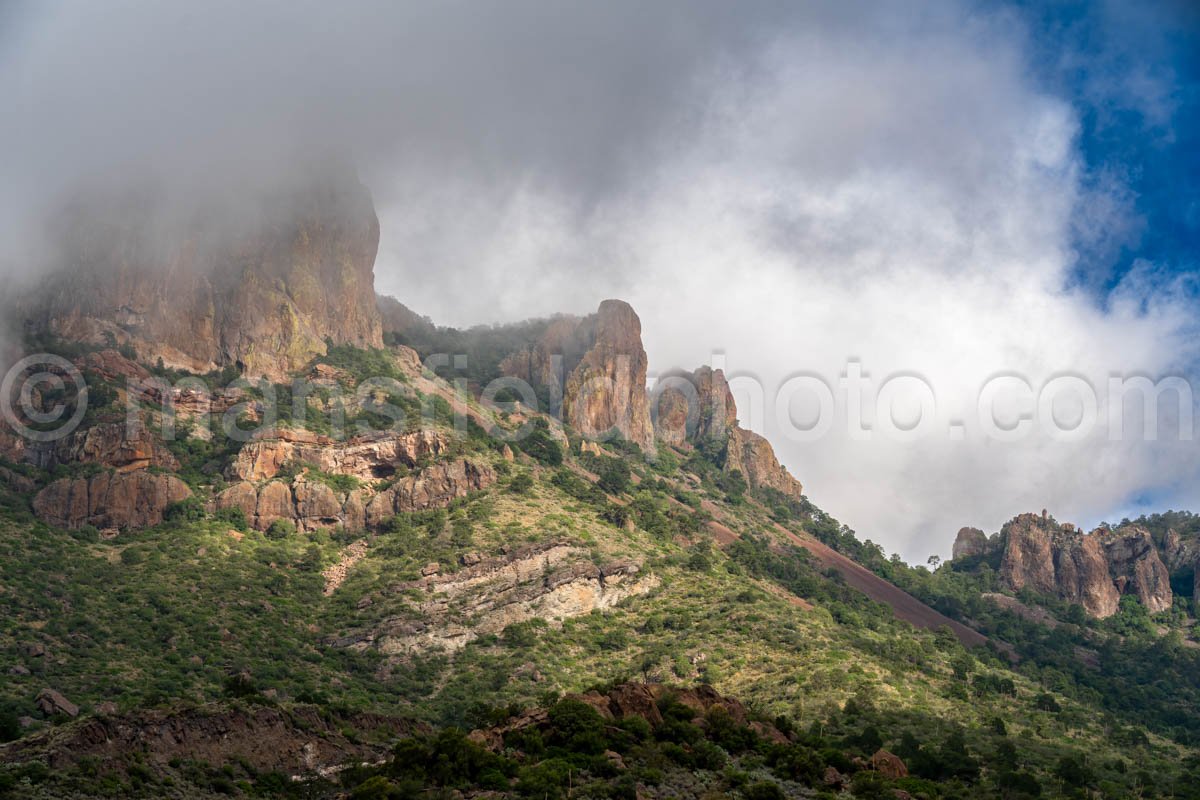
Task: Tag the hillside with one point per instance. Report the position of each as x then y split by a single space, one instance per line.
445 577
308 568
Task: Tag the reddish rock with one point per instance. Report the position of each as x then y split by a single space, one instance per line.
116 500
242 496
1137 567
433 487
1093 570
604 364
607 391
699 407
275 502
888 765
367 458
113 366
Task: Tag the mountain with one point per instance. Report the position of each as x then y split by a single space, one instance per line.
1093 570
378 573
259 285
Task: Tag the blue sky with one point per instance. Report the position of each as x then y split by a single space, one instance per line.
1132 69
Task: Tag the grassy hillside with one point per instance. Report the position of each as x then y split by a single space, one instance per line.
201 610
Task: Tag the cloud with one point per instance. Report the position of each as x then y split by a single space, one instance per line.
907 197
793 185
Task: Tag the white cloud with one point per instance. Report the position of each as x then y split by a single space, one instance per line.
903 196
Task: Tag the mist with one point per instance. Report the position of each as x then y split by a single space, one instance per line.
790 187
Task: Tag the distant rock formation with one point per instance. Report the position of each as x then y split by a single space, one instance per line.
1092 569
699 408
605 367
969 542
261 290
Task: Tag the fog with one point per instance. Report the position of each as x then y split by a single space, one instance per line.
791 186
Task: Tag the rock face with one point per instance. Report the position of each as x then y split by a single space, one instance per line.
1093 570
372 457
552 581
1137 567
311 504
107 444
109 500
699 408
753 456
433 487
969 542
607 391
605 367
207 289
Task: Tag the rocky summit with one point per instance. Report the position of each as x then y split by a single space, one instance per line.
262 292
1093 570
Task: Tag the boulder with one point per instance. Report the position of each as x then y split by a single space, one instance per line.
888 765
52 703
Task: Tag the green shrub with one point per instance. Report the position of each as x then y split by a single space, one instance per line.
189 509
233 516
281 529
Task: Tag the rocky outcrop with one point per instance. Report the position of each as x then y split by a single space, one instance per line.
753 456
969 543
693 407
607 391
604 364
433 487
260 285
311 504
888 765
1093 570
546 363
301 740
109 500
372 457
52 703
699 408
1137 568
552 581
115 445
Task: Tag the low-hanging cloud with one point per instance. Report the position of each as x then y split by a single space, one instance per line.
795 187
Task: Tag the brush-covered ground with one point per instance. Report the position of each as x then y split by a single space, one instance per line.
206 613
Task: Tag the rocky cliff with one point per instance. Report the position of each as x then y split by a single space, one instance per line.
970 542
1093 570
604 364
698 408
260 287
553 581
